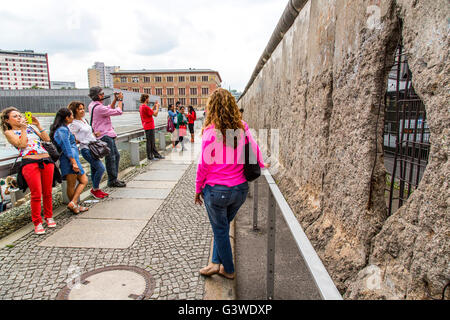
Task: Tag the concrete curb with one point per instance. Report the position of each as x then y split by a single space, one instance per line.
218 287
16 235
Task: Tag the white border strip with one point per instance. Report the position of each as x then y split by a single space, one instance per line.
324 283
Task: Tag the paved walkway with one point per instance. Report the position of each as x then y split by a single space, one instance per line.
147 241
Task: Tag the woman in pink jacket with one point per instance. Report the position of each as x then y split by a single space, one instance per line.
220 175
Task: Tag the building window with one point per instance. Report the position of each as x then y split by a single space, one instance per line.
194 101
159 91
205 91
181 79
123 79
135 90
169 91
193 78
147 79
205 78
193 91
170 101
148 90
182 101
181 91
169 79
158 79
135 79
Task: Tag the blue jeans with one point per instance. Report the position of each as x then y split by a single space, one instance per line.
97 167
112 159
222 203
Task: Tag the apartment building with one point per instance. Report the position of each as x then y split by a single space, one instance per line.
23 70
100 75
189 86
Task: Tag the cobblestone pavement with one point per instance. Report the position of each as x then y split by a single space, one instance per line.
172 247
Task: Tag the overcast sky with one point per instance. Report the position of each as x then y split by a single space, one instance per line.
224 35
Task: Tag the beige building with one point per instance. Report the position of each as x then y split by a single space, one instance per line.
94 78
100 75
189 86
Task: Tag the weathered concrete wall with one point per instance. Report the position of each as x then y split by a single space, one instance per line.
323 88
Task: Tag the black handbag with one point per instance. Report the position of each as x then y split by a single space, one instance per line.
252 171
98 148
52 150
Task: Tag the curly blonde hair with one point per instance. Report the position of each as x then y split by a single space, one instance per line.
223 112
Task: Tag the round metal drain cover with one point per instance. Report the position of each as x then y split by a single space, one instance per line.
110 283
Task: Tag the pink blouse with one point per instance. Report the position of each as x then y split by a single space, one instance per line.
222 164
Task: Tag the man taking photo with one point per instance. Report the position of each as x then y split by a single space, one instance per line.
103 129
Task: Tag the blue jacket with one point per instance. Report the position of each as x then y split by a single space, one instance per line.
67 143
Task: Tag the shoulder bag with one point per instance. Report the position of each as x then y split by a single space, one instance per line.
252 171
52 150
170 125
98 148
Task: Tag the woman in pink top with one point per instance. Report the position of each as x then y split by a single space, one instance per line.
220 174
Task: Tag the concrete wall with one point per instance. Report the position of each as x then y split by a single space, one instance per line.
323 87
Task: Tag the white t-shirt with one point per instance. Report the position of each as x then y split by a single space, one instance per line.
82 132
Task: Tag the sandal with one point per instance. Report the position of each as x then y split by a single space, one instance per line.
209 271
225 274
82 209
73 207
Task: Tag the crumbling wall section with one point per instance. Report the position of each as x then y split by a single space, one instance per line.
323 88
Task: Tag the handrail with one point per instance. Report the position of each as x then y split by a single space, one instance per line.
288 17
322 279
123 136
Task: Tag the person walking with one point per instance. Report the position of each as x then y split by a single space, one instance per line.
37 170
181 127
103 129
192 116
82 131
69 161
221 181
148 123
173 117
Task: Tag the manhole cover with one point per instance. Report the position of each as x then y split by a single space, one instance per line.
110 283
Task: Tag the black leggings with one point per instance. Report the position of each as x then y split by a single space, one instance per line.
180 139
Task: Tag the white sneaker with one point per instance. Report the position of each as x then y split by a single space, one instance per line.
39 229
51 223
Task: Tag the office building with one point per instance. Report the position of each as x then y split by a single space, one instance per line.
62 85
100 75
189 86
23 70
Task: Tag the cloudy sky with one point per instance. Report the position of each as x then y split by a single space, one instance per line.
224 35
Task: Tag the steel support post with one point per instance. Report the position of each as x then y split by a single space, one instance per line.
271 222
255 205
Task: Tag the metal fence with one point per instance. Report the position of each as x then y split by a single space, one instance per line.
277 203
406 135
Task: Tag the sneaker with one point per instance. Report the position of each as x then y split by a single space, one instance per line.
160 157
39 229
97 194
104 193
51 223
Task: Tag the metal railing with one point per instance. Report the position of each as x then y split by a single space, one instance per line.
123 137
129 140
322 279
